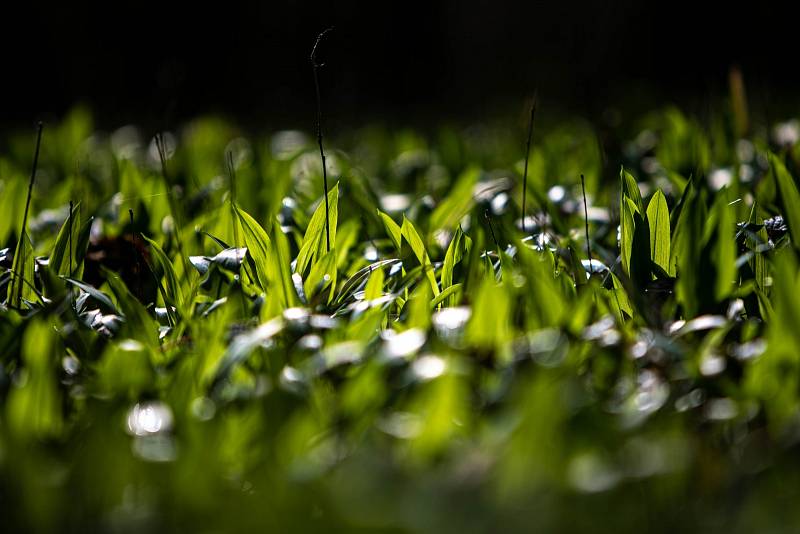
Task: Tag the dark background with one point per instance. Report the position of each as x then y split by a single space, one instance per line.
395 61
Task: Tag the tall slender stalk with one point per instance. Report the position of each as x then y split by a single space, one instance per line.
70 237
315 66
19 260
527 155
161 147
491 229
232 177
586 222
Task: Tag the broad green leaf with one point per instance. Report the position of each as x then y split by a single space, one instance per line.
754 242
360 276
723 252
640 272
630 189
346 238
314 244
259 246
61 255
173 288
790 198
418 247
322 276
281 265
688 190
658 221
96 294
457 203
618 298
374 287
450 294
417 308
695 284
81 247
459 246
626 212
392 230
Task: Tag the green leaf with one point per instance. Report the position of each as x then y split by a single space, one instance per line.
723 245
21 287
789 197
418 308
321 277
450 294
359 276
96 294
81 247
315 241
281 265
640 253
658 221
630 208
173 288
626 211
676 212
259 246
392 230
346 238
694 288
418 247
374 287
60 255
459 246
457 203
630 189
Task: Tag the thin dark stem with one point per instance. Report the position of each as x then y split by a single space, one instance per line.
315 66
33 175
586 221
36 292
18 262
527 155
243 266
70 238
232 176
162 156
491 229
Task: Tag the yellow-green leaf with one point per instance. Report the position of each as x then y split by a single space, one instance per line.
412 237
392 230
658 221
315 244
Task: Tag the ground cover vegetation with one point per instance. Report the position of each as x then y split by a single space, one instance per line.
194 336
